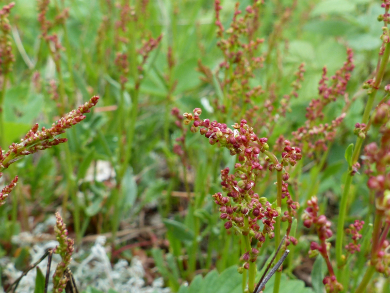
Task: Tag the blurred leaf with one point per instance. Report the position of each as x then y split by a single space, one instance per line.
364 41
159 261
328 27
179 230
92 290
39 282
318 274
300 51
332 7
348 154
14 131
95 207
83 168
21 262
332 170
186 75
129 189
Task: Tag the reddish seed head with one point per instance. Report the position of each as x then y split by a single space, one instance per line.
228 225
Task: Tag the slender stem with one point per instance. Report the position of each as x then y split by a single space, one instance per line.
278 274
340 222
366 279
244 274
376 235
2 95
374 253
356 153
384 234
275 161
252 265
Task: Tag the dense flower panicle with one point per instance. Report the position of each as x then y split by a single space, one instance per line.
322 226
377 158
129 14
179 147
65 250
317 135
7 190
382 262
353 230
46 25
386 16
238 46
36 140
6 55
122 62
296 85
329 92
148 46
242 207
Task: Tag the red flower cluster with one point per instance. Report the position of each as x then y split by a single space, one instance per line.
353 230
65 250
7 190
322 226
241 207
36 140
6 55
319 135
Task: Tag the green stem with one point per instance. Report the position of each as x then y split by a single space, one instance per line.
366 279
340 222
252 265
244 274
356 153
278 274
2 95
72 191
374 253
279 182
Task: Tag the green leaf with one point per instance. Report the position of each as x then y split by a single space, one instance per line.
129 190
95 207
92 290
348 154
328 27
159 261
332 7
83 168
364 42
186 75
317 275
39 282
227 282
179 230
332 170
14 131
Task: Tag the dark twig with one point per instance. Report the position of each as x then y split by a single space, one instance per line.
261 285
48 269
16 283
264 277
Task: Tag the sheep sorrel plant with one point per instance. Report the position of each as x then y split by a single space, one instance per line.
242 208
360 243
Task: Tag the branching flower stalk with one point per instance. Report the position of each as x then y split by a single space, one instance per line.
65 250
6 60
37 140
361 131
131 63
377 159
322 226
242 208
54 46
